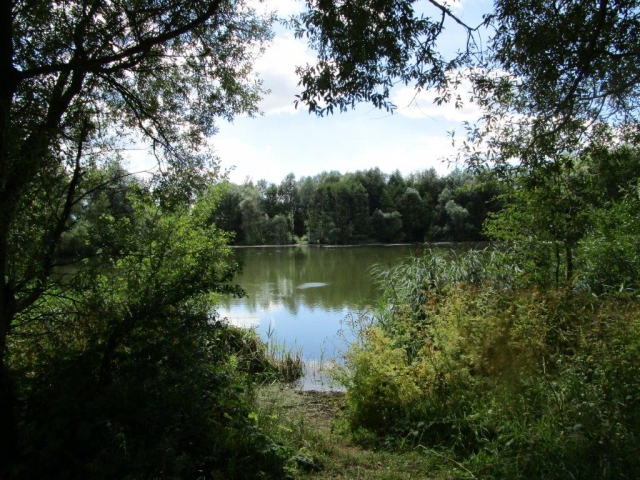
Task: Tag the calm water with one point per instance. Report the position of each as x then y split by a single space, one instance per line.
301 295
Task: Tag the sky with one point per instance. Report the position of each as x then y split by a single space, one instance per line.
287 140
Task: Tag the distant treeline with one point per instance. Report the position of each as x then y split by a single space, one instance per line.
360 207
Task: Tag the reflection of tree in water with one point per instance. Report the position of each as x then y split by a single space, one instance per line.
274 275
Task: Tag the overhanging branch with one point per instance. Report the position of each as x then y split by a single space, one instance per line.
144 46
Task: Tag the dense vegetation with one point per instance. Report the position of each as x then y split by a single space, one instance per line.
517 363
506 380
520 361
113 363
123 367
361 207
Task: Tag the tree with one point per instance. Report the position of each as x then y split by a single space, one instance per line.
253 217
414 216
77 78
351 210
387 227
288 195
428 184
228 215
306 193
560 77
570 61
97 221
365 46
374 182
278 232
555 81
128 337
553 74
271 201
396 186
559 210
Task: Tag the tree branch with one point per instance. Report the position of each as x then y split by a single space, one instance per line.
142 47
447 11
52 242
585 61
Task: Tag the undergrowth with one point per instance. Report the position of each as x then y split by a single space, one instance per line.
178 403
505 378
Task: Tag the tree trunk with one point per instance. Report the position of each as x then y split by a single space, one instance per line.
9 446
569 254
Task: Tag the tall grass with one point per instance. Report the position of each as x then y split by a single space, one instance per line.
466 357
266 361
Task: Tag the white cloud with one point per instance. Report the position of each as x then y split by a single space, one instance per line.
420 104
283 8
426 152
277 68
273 146
244 160
455 4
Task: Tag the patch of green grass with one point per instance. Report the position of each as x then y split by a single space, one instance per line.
310 423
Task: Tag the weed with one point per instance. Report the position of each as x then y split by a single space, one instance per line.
498 376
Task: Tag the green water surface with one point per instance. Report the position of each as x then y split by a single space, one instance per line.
301 295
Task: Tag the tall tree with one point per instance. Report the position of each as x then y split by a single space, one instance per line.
75 78
288 195
374 182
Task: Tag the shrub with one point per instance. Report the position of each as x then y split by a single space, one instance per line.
516 383
177 405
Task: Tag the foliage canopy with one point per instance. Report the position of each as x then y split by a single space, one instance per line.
79 82
551 76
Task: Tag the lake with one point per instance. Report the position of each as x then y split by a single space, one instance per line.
301 295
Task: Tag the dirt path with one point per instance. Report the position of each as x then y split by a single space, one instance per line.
339 457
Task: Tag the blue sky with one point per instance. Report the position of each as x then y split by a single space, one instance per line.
285 140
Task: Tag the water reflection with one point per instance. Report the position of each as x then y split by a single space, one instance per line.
312 285
302 294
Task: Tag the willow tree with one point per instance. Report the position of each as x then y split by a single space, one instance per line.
365 47
548 74
554 80
566 78
80 78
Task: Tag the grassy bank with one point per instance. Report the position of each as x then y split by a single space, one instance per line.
500 375
312 425
527 384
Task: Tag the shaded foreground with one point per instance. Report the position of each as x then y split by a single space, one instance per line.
462 371
313 422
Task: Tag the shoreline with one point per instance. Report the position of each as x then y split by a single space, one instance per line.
330 245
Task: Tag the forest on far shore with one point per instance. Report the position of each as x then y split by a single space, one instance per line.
361 207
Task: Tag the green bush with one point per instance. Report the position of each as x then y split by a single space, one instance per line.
122 370
513 383
177 405
609 256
